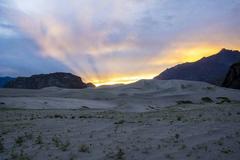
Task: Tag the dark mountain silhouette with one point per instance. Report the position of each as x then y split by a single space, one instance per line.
4 80
90 85
62 80
232 79
212 69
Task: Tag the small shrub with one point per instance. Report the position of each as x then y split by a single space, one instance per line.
84 148
14 154
237 133
183 86
28 135
72 157
120 154
186 86
23 156
56 141
120 122
208 88
59 144
220 143
168 156
207 100
177 135
58 116
39 139
82 116
5 132
150 107
201 146
19 141
189 154
64 146
183 146
85 107
184 102
179 118
223 100
1 146
19 156
226 151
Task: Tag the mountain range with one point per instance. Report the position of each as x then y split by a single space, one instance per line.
212 69
59 79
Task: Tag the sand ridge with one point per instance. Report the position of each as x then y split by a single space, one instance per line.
146 120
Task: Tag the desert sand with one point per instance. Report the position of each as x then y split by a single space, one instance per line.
146 120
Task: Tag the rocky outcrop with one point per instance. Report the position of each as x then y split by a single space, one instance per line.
212 69
62 80
90 85
232 79
5 80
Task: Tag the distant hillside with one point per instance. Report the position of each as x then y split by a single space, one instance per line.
212 69
4 80
62 80
232 79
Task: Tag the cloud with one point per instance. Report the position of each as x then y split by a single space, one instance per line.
20 56
106 41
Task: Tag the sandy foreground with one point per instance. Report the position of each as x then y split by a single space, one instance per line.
146 120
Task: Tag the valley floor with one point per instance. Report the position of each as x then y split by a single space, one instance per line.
184 131
146 120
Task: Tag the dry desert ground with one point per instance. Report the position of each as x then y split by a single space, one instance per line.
146 120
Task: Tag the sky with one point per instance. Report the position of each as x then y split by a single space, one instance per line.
108 42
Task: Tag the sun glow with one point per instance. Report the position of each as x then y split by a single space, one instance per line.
182 55
121 80
176 57
195 54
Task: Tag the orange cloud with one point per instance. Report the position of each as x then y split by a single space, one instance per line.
142 48
59 44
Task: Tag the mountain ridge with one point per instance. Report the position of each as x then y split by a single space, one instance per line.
57 79
212 69
232 79
4 80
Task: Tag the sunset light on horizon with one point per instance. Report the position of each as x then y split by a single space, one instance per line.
111 42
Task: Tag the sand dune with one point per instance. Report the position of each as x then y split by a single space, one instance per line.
140 96
146 120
